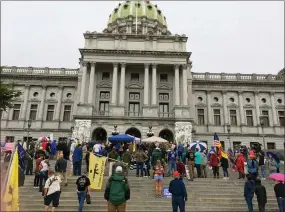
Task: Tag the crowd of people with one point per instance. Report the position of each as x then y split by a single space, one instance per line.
155 160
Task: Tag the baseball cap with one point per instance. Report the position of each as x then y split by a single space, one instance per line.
119 169
176 173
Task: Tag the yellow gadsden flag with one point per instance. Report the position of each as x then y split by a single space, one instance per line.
11 196
96 171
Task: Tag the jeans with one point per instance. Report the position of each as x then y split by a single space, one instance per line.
263 173
225 171
171 167
180 155
248 200
77 168
215 171
146 171
178 202
198 167
281 204
81 198
240 175
140 167
42 179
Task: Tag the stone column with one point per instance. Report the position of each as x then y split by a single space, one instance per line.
42 105
209 109
114 84
25 104
122 85
241 111
184 84
257 108
83 82
58 106
225 108
91 84
176 80
274 114
153 92
146 84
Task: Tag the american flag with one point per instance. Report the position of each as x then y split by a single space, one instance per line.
217 142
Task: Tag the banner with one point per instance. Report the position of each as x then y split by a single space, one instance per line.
166 193
96 171
11 196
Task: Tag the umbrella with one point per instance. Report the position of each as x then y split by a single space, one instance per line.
153 139
277 177
274 156
198 145
121 138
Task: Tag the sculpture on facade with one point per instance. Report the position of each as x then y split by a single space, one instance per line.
183 132
82 130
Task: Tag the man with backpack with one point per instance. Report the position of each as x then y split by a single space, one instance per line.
252 167
117 191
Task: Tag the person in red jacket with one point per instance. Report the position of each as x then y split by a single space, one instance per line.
240 165
214 163
180 168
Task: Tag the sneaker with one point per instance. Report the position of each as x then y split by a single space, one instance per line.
224 178
263 178
228 178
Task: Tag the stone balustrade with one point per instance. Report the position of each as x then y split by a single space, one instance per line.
39 71
234 77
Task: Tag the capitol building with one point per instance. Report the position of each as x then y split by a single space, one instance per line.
135 77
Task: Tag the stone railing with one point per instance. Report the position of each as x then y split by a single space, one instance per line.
234 77
39 71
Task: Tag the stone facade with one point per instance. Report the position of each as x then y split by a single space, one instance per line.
134 81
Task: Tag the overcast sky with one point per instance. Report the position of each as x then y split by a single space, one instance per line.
233 37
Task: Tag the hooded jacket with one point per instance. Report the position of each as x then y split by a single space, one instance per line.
249 188
260 192
240 163
214 160
156 155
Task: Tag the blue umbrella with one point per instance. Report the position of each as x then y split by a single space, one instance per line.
121 138
198 145
274 156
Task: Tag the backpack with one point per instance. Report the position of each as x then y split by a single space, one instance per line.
252 166
117 194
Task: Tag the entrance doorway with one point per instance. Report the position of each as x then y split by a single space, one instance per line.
134 132
99 135
167 135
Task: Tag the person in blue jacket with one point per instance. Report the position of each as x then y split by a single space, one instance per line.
249 188
77 160
179 194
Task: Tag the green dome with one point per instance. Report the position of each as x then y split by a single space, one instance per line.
144 9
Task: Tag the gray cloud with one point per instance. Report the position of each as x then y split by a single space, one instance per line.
244 37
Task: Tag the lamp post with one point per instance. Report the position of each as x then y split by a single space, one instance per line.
262 127
115 132
150 133
28 131
229 135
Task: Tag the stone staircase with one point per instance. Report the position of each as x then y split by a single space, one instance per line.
203 195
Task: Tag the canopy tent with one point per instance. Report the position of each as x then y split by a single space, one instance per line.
136 140
153 139
121 138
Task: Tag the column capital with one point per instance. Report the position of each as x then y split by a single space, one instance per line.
256 92
240 92
224 91
123 65
44 86
208 91
83 63
27 86
93 63
60 86
184 66
146 65
115 64
154 65
176 66
272 93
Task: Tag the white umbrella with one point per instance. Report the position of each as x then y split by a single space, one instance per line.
153 139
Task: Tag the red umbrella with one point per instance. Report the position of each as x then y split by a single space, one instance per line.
277 177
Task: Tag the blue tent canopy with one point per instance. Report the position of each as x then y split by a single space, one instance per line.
121 138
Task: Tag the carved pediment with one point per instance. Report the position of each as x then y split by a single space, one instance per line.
34 100
280 107
18 100
248 106
216 105
68 101
51 100
265 106
164 86
232 105
134 85
104 84
201 104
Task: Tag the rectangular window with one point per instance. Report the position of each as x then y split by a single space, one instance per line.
217 117
50 112
201 116
163 110
134 108
281 118
271 145
105 75
135 77
25 138
33 112
163 78
163 97
10 138
67 113
236 145
265 118
233 117
103 106
249 118
16 111
104 95
1 112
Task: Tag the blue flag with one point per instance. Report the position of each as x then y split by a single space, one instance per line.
22 154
